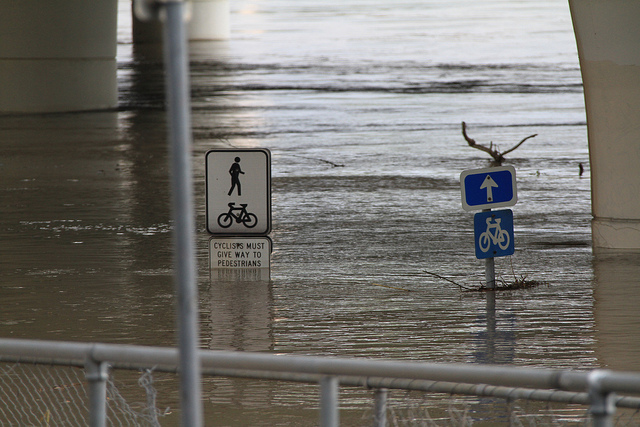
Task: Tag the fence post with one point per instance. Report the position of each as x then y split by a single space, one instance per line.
602 406
329 402
380 408
179 119
97 375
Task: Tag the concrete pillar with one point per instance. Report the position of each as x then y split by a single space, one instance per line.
57 55
145 32
608 38
209 20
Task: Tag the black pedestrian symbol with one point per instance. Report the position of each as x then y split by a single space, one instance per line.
235 172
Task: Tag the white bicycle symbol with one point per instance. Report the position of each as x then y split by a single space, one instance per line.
493 234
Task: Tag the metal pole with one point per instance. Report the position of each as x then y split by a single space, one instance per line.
490 273
178 100
97 375
602 406
329 402
489 268
380 409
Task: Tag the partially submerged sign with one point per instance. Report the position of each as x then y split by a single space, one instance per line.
238 191
239 252
485 189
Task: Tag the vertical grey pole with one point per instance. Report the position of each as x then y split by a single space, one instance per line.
329 402
380 409
97 375
489 268
178 101
602 406
490 273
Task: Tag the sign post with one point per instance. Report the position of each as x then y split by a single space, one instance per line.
484 189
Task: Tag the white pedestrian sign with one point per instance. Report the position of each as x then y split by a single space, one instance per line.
238 191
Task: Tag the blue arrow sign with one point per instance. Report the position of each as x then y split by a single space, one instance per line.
493 233
488 188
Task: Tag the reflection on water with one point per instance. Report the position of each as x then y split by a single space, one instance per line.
616 310
367 153
240 313
78 231
495 345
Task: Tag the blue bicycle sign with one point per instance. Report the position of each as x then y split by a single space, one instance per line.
493 233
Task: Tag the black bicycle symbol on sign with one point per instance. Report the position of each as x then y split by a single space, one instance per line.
242 217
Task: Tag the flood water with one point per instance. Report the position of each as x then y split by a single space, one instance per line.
361 104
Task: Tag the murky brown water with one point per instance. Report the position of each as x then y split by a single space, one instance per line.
367 154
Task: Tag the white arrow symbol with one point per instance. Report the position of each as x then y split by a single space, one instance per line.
489 183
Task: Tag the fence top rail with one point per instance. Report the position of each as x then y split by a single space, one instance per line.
132 356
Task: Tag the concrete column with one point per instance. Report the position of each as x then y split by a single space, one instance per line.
608 39
57 55
209 20
145 32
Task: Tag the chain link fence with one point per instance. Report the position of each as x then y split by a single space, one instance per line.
413 408
48 395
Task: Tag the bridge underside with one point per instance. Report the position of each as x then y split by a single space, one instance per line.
57 55
61 56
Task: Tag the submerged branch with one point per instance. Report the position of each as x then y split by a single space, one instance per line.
519 144
448 280
497 156
335 165
518 283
